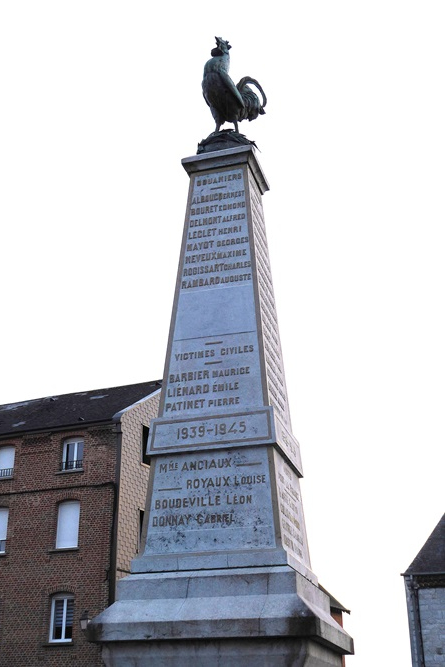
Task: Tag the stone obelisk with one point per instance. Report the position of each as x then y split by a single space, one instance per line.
225 577
224 483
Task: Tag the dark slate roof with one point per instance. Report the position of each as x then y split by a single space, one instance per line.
98 405
431 557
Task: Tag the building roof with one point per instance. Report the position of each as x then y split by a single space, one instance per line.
333 602
98 405
431 557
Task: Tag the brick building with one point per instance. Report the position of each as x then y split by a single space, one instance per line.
73 479
425 595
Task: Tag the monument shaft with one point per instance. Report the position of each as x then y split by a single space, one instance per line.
224 480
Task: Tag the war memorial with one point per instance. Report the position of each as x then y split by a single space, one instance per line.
225 578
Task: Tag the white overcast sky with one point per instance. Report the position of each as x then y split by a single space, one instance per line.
99 103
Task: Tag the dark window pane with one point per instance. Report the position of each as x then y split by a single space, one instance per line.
58 619
145 434
70 447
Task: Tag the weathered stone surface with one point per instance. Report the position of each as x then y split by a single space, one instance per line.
247 602
220 503
205 502
264 652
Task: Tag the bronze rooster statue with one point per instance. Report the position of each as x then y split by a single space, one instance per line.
228 102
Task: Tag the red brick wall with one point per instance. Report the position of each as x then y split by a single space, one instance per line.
32 570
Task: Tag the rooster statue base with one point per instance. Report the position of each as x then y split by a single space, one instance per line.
219 141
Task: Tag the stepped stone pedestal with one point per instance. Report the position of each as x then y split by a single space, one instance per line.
225 577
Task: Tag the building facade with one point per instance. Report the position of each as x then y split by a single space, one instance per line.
73 480
425 596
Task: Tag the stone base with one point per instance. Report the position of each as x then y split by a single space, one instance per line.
264 616
261 652
220 141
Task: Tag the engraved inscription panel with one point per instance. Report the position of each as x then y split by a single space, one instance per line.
213 375
211 501
217 249
272 346
246 427
214 362
288 444
293 531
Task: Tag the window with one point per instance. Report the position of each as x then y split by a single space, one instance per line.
145 432
72 458
62 612
68 525
141 523
4 512
7 455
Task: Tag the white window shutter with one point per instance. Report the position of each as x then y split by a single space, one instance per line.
68 525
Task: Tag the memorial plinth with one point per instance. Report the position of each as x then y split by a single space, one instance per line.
225 575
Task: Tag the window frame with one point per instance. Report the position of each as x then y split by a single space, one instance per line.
7 473
4 539
66 597
60 529
76 460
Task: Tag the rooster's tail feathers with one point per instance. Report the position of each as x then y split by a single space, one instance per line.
252 104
